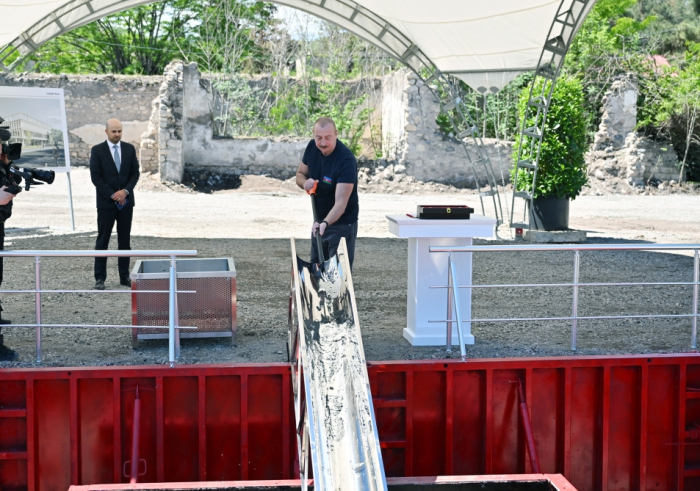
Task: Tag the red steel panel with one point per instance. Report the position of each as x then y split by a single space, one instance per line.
662 422
508 446
265 422
52 434
223 428
608 423
147 433
180 424
428 424
623 473
13 474
14 435
468 429
546 413
96 430
586 427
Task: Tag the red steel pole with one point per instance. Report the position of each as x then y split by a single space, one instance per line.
525 417
135 439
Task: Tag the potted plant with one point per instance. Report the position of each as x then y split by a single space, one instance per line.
561 169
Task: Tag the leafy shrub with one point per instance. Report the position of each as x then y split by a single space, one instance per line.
670 107
561 168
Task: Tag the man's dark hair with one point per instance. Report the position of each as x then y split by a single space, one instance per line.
323 122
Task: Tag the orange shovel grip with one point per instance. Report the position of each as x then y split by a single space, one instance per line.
313 189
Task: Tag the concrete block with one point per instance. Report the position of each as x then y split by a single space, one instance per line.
555 236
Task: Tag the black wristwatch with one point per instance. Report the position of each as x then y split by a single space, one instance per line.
327 224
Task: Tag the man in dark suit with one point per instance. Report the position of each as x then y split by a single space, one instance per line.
114 170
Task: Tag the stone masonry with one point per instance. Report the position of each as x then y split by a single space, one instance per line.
618 153
161 144
411 136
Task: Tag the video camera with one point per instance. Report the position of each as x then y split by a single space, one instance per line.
32 177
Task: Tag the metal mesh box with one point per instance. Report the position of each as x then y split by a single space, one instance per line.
212 309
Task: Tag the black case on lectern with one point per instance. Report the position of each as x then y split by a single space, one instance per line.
459 212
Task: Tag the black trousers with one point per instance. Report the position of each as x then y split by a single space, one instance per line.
330 240
105 223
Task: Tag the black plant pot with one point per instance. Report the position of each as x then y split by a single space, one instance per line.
550 214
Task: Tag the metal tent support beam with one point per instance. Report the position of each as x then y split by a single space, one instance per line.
569 17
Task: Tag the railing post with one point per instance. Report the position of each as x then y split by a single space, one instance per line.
37 301
574 306
696 278
177 323
171 316
449 306
455 292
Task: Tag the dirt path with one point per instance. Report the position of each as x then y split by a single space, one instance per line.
268 208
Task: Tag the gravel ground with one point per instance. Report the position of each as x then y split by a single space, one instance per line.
251 224
263 267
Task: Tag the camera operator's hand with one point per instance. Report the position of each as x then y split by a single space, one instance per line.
119 196
5 197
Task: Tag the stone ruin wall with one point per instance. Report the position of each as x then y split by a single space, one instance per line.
412 138
619 154
91 100
158 111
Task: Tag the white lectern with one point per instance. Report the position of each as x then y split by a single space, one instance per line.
426 269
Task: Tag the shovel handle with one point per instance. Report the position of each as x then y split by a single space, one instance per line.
319 242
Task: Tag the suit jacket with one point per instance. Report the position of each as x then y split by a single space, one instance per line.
104 175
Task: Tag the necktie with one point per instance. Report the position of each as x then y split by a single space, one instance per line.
117 159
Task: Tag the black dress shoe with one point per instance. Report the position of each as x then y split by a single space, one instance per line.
100 285
125 282
7 354
4 322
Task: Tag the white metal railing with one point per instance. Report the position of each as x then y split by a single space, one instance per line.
576 284
173 327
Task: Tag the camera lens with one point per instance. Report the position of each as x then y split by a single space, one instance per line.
46 176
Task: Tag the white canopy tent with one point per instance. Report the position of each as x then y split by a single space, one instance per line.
485 43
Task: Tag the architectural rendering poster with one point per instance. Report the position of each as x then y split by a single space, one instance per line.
36 117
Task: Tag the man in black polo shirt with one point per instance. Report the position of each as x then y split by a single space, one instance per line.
330 163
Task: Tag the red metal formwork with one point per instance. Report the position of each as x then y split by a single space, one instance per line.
62 427
606 423
609 423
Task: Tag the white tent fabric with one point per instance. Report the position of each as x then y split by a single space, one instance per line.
486 43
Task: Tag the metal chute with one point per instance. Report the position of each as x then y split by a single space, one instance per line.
332 399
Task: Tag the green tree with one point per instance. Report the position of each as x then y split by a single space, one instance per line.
141 40
609 43
678 22
674 112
